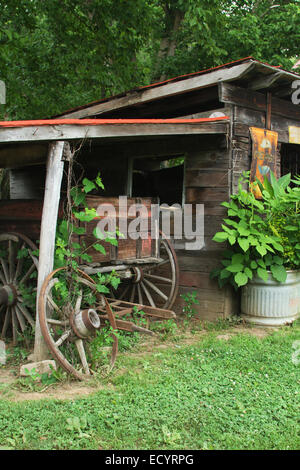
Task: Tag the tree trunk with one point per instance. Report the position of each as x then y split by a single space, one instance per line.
168 43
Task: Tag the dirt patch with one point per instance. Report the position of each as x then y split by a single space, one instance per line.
60 392
259 332
224 337
7 376
65 391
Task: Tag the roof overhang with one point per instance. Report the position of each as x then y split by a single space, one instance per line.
16 136
77 129
248 72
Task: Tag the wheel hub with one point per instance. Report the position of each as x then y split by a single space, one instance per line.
138 275
85 323
8 295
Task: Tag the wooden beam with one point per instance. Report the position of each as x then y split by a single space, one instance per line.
258 101
54 175
162 91
269 110
162 147
171 106
82 132
266 81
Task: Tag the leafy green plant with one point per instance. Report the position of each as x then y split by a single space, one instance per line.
190 299
45 378
263 236
77 425
166 329
71 253
17 354
282 202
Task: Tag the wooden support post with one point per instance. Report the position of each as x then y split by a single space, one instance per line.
54 175
269 111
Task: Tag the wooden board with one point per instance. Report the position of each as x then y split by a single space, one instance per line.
206 178
243 97
127 248
23 216
37 133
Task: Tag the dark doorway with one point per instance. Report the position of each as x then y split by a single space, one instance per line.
290 159
159 178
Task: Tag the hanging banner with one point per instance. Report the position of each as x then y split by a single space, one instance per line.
294 135
264 152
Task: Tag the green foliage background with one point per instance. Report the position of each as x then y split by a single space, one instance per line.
57 54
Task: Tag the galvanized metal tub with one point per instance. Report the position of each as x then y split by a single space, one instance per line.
270 303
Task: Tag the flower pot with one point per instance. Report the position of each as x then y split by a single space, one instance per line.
270 303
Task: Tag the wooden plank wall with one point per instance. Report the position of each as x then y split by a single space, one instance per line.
207 180
27 183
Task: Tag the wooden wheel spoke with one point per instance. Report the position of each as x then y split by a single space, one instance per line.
53 304
14 326
19 266
78 302
2 279
148 269
133 293
20 318
158 278
140 296
6 322
81 352
11 259
28 274
5 270
26 314
63 338
34 259
148 295
156 289
57 322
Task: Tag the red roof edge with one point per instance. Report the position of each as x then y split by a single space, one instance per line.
97 122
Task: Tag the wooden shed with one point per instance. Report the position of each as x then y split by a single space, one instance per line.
201 122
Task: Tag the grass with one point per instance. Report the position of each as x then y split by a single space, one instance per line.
208 394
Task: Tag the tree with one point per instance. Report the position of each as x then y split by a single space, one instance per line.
219 31
58 54
63 53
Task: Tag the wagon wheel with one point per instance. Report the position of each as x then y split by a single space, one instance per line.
18 277
156 284
68 321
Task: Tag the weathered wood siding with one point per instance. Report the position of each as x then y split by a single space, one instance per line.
207 182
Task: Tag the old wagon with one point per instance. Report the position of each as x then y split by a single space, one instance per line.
146 266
